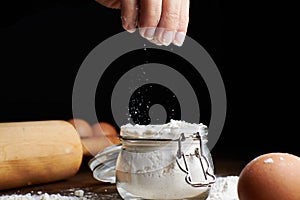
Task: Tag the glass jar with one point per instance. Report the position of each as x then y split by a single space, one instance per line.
164 162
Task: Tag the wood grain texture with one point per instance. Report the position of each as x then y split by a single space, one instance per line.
38 152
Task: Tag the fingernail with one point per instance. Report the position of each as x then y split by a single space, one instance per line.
167 38
142 31
179 38
149 33
131 28
154 41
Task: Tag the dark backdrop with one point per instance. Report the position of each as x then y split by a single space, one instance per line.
44 42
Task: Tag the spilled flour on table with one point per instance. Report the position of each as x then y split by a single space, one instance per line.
72 194
225 188
44 196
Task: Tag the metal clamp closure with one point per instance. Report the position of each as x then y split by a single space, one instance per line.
200 155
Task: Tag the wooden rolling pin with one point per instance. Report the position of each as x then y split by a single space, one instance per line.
38 152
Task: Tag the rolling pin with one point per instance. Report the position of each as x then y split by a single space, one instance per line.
38 152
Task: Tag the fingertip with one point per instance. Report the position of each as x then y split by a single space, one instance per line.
129 15
142 31
156 42
149 33
179 38
167 37
131 28
164 36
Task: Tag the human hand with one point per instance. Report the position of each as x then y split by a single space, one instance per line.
162 22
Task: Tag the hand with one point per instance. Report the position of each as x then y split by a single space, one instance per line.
160 21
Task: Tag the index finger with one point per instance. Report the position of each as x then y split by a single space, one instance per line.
183 23
150 13
169 20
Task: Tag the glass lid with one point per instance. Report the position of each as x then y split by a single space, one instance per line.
103 165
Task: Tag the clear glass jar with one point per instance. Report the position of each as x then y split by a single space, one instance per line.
164 162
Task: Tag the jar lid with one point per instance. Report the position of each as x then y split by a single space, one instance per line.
171 130
103 165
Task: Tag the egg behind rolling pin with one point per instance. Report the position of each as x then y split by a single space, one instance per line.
272 176
82 127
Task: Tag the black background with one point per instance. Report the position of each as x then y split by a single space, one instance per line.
44 42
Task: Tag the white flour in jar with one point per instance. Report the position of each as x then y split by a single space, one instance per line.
171 130
150 171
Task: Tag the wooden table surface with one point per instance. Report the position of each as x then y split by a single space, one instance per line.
94 189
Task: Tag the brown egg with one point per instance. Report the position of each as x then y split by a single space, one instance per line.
83 127
93 145
104 129
107 130
272 176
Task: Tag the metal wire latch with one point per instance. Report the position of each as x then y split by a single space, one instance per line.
200 155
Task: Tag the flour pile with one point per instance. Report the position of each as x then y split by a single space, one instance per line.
44 196
225 188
